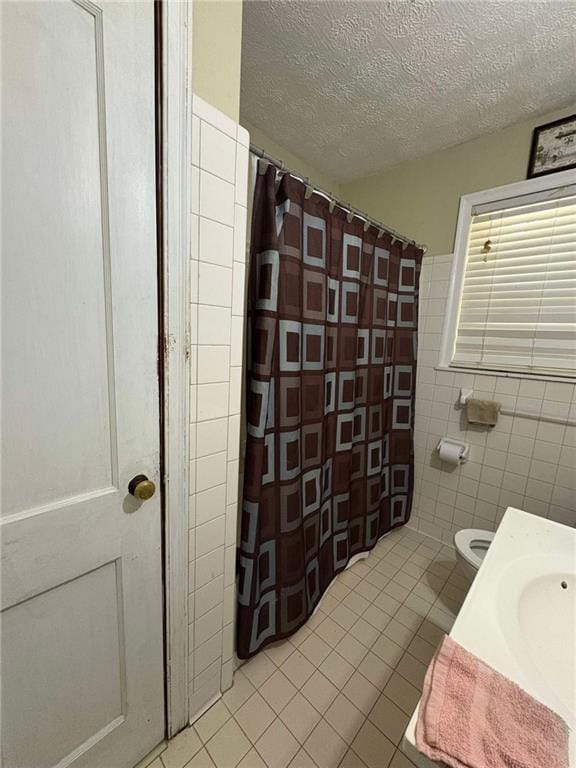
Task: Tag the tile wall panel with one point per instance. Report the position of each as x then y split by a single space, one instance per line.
219 176
525 463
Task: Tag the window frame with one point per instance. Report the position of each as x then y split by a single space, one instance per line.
458 271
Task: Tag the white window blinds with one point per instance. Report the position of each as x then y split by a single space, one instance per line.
518 303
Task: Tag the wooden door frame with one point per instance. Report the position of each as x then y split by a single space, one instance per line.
174 139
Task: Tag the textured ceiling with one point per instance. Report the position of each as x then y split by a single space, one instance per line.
356 87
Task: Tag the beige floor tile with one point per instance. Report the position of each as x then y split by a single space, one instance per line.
317 617
278 691
402 693
302 760
389 718
320 692
365 632
298 637
338 590
396 590
297 669
361 568
361 692
349 578
367 590
300 717
430 632
344 616
425 591
405 580
258 669
251 760
351 760
379 580
351 649
441 618
240 692
417 604
399 633
397 559
376 617
255 716
325 746
412 669
401 551
372 746
155 763
421 649
336 669
329 603
228 746
387 603
344 717
277 746
355 602
181 749
386 568
375 670
388 650
413 570
279 652
315 649
330 632
212 720
408 617
401 761
201 760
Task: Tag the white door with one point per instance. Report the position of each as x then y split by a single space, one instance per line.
81 597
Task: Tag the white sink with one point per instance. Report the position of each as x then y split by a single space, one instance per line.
520 615
537 611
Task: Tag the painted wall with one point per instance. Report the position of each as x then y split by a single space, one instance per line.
217 279
217 52
292 161
420 198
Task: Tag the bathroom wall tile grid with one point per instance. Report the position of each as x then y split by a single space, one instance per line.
219 176
341 690
521 462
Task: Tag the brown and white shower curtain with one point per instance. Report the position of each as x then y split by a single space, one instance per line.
332 330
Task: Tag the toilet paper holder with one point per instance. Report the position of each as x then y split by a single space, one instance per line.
464 448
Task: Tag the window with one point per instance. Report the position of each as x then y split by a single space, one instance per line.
513 290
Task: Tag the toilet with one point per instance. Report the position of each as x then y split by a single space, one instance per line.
471 547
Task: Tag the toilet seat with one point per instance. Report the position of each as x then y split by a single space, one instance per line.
465 540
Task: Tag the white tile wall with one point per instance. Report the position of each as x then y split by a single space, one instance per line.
219 188
521 462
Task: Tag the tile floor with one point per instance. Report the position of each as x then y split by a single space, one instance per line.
341 690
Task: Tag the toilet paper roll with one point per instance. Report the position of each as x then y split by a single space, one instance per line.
450 453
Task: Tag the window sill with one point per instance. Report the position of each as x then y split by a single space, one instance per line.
507 374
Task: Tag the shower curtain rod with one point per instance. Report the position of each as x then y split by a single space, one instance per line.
340 203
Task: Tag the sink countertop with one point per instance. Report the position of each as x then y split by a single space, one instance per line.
528 559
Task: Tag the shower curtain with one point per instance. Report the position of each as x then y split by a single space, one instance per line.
332 334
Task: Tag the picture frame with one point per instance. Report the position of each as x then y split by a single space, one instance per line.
553 147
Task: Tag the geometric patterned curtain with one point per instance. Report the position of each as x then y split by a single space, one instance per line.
332 334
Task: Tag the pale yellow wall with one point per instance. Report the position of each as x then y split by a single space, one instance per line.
291 161
420 198
216 53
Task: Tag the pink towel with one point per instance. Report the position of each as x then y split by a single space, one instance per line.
473 717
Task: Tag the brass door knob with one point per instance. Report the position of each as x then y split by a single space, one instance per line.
141 487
